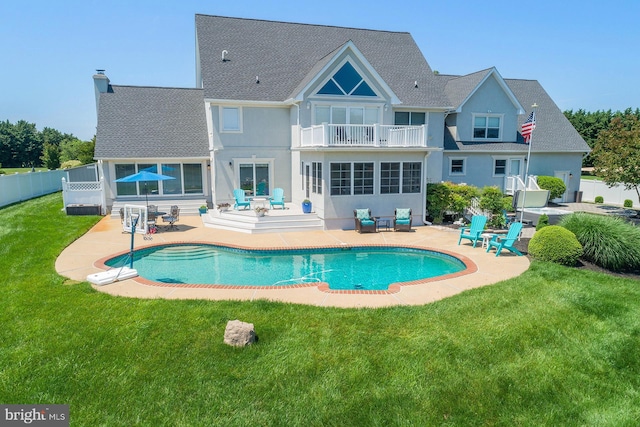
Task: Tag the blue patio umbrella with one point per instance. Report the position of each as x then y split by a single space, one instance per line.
144 176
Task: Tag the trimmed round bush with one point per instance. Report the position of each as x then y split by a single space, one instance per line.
599 199
608 241
556 244
628 203
555 186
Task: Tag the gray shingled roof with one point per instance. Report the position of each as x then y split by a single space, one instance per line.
283 54
553 133
144 122
458 88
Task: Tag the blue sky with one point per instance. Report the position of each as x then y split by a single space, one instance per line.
584 53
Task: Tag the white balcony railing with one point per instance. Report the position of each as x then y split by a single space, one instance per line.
330 135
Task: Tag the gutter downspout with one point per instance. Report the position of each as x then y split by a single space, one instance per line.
424 192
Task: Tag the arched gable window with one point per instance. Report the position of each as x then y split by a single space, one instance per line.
347 82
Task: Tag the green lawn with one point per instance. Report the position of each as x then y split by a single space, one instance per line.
590 177
555 347
11 171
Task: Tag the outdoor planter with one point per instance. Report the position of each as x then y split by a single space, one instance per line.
260 211
203 210
306 206
223 207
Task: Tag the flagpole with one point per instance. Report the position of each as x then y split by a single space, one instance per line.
526 174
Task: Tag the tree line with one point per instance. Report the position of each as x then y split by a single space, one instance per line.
22 145
614 139
590 124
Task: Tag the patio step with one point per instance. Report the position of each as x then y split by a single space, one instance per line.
275 221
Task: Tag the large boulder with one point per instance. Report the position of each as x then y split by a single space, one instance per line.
239 334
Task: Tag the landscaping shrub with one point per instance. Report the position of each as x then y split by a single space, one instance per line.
555 186
448 197
492 201
438 199
461 196
628 203
599 199
608 241
507 203
556 244
543 221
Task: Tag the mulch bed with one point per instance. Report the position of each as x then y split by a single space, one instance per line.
523 246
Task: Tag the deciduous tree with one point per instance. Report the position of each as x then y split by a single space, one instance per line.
616 156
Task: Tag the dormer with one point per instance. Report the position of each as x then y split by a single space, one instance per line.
485 108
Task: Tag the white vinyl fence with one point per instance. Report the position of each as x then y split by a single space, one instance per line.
79 194
614 195
24 186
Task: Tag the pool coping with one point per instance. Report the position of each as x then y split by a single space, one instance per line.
107 238
470 267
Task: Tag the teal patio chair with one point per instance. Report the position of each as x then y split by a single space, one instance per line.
402 220
238 194
475 230
365 223
505 241
278 198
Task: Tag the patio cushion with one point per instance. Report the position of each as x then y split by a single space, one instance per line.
367 222
403 221
402 214
362 214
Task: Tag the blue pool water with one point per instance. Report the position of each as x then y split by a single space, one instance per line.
359 268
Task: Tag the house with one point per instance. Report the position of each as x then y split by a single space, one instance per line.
347 118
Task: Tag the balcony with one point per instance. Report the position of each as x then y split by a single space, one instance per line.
331 135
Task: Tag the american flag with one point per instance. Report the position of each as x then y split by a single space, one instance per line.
528 127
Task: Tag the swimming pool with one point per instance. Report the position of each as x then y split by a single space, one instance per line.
343 268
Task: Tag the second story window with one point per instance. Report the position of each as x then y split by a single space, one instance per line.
409 118
231 119
346 82
486 126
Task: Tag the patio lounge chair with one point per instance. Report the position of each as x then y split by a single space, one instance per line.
473 232
505 241
365 223
238 194
402 220
278 198
172 218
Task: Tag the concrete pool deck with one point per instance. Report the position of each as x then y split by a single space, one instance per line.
106 239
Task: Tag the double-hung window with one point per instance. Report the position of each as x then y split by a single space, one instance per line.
487 126
456 166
